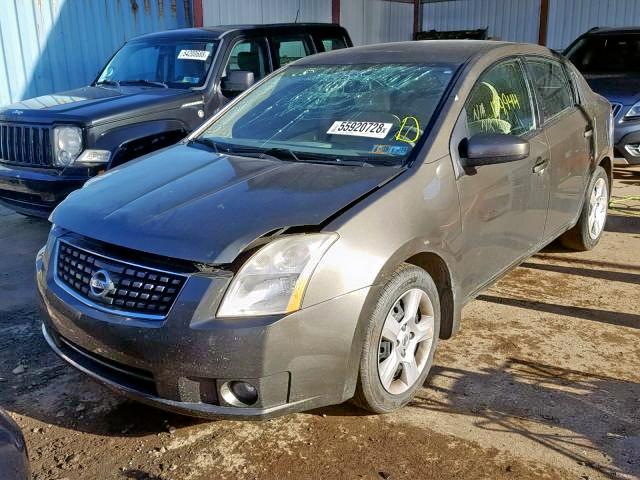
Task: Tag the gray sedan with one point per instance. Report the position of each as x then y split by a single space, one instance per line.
314 241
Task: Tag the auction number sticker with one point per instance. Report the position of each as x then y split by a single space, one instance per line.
360 129
201 55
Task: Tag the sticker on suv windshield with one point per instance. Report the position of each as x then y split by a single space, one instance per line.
201 55
360 129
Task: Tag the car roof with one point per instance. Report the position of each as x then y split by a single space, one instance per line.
453 52
216 32
610 30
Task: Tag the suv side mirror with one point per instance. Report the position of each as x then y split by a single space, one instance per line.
493 148
237 81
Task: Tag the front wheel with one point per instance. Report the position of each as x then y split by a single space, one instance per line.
588 231
400 342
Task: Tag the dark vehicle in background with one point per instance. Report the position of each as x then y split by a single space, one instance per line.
14 462
609 59
312 242
154 91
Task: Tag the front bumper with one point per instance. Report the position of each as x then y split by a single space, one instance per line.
34 191
297 362
626 133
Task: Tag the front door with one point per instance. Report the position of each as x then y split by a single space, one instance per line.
245 54
503 206
569 136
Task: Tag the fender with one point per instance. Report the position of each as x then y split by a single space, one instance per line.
129 141
438 262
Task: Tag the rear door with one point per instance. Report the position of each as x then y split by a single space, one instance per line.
569 134
287 48
503 206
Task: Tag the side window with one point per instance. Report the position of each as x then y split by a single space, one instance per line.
332 43
500 102
289 48
248 55
552 86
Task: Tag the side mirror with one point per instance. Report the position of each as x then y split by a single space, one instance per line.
492 148
237 81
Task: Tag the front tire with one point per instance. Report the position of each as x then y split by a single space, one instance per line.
588 231
400 342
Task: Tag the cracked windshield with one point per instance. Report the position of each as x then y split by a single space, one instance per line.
346 114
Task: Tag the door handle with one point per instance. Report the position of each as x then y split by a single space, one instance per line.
588 133
541 164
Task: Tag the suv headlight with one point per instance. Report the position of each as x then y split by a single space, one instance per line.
633 111
67 145
274 279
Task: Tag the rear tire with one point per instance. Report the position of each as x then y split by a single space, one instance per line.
588 231
400 342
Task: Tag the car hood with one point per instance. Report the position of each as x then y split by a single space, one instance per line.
621 88
191 204
93 105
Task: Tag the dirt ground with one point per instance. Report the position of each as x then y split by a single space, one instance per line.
542 382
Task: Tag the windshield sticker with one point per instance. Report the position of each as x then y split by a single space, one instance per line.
396 150
201 55
360 129
409 130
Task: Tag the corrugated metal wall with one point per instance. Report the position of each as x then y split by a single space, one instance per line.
377 21
512 20
226 12
570 18
368 21
54 45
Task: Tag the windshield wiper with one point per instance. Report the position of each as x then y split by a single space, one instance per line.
273 153
286 154
207 142
109 82
278 153
145 82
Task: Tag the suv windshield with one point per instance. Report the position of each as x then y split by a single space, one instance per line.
606 54
349 114
174 64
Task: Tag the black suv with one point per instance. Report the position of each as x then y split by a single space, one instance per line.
609 59
152 93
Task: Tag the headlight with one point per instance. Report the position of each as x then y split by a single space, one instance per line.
274 279
634 111
67 145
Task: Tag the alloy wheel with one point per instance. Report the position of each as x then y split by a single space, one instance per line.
598 208
406 341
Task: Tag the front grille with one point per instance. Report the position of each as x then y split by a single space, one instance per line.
135 290
23 144
615 108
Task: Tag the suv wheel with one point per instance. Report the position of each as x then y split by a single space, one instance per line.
400 342
588 231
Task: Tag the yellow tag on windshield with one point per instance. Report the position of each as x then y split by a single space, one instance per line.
409 131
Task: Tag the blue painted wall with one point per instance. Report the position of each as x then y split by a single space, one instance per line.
54 45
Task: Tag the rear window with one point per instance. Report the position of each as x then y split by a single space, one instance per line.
606 54
333 43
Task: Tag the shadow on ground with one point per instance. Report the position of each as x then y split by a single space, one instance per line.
594 412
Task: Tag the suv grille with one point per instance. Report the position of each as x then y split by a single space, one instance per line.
26 145
125 288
